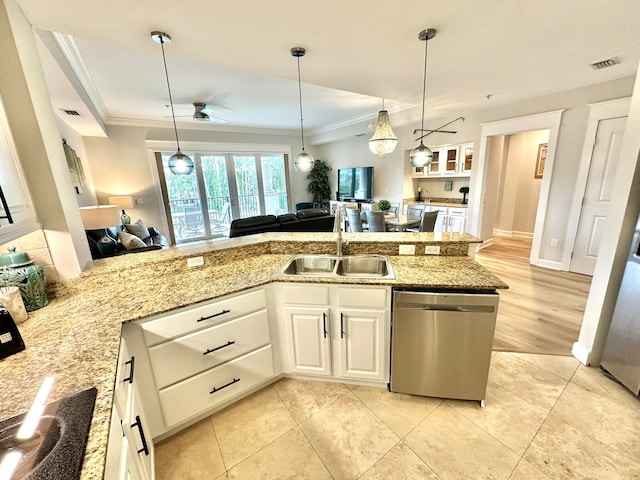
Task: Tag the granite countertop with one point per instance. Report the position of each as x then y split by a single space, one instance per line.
76 337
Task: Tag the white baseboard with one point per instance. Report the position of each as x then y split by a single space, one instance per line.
581 353
487 243
510 233
549 264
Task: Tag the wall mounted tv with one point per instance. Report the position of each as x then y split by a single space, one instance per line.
355 184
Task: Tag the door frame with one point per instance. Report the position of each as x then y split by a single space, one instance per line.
597 112
479 173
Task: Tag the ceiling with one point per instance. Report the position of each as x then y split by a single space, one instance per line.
235 56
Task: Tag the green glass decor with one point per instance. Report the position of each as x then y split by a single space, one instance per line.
18 270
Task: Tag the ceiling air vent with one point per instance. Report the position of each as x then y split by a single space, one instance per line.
73 113
609 62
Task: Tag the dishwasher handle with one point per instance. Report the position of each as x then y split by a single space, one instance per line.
447 308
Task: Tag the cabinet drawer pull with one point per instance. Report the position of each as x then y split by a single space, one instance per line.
324 324
211 350
138 424
341 325
130 377
217 389
214 315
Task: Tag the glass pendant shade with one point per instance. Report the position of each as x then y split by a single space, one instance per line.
420 156
303 162
384 140
180 164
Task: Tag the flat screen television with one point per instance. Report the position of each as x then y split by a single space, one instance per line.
355 184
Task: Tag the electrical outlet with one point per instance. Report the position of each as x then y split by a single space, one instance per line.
432 250
195 261
407 250
554 242
139 201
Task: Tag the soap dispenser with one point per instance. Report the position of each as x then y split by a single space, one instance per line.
10 338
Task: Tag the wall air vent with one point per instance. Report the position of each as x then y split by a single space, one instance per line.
609 62
73 113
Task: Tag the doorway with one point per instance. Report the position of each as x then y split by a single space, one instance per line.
518 160
483 200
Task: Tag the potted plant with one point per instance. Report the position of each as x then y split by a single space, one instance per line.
384 205
319 182
464 191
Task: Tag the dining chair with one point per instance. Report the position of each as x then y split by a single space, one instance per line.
355 221
415 211
428 222
193 221
376 221
394 209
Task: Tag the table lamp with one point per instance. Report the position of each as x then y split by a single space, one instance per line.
101 218
123 202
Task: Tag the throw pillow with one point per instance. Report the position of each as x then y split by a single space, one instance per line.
130 241
139 229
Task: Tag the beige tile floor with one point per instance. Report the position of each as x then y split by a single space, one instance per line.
546 418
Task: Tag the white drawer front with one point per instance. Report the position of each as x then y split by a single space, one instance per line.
458 211
193 396
183 357
306 295
192 319
371 297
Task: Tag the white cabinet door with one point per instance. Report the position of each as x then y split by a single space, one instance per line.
308 340
140 444
449 160
457 223
124 380
457 219
362 344
466 159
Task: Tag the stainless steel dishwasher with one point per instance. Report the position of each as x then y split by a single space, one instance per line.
441 343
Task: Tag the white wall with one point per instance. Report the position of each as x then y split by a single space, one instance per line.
87 197
354 152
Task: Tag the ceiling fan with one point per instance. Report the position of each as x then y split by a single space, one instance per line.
203 114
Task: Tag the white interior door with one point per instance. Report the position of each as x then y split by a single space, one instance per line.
593 215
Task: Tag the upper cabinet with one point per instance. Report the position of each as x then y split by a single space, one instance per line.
17 216
448 161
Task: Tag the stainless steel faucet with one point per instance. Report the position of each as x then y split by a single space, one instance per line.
337 227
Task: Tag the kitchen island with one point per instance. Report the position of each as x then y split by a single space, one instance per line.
76 338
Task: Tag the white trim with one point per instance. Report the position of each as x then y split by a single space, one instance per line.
581 353
510 233
597 112
549 264
486 243
218 147
542 121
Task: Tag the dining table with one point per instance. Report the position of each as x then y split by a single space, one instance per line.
401 222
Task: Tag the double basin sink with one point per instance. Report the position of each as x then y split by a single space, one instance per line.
354 266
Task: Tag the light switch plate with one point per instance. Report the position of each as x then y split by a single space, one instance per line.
407 250
195 261
432 250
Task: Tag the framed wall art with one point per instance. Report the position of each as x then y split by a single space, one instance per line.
540 160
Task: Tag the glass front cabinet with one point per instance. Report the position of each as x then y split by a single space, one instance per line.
448 161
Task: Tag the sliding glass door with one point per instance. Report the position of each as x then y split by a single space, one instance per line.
223 187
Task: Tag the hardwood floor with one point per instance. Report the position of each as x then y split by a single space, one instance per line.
542 310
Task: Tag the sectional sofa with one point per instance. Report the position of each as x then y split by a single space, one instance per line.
307 220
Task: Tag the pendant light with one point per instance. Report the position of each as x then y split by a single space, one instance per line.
303 162
422 156
384 140
179 163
